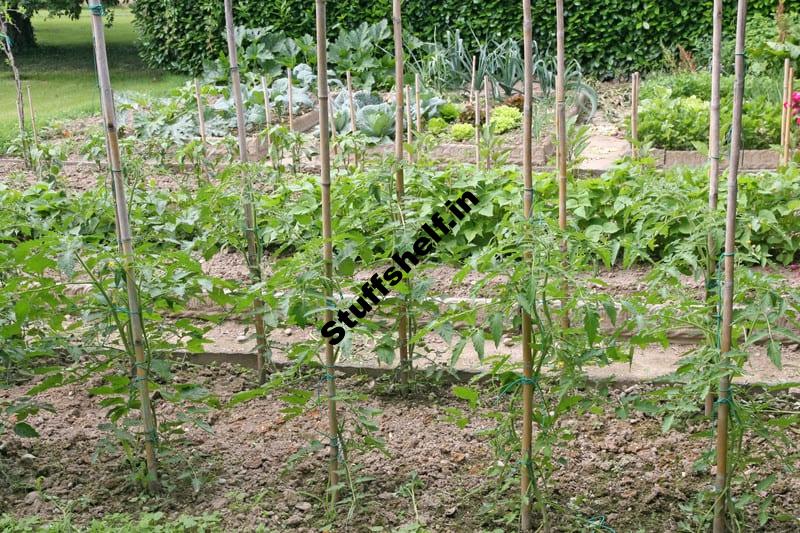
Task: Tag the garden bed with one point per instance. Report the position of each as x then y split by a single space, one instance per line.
751 160
251 470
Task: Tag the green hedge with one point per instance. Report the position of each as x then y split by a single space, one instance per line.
607 37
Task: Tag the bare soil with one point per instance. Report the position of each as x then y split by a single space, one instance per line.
625 470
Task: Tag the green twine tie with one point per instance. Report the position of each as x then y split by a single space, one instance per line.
97 10
521 380
599 522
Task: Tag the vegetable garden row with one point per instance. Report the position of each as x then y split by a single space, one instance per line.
317 180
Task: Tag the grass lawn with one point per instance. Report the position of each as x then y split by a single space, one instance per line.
61 71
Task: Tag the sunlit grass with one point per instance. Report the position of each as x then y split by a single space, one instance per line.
61 70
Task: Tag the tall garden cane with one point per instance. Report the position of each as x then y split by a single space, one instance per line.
125 237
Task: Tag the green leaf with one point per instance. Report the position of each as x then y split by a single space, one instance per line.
25 430
591 324
246 396
478 342
666 424
496 324
774 353
465 393
48 383
766 483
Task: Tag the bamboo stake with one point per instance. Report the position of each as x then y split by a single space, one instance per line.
714 157
201 118
787 63
472 80
786 111
788 135
9 53
721 482
397 30
527 329
418 102
33 115
476 104
561 123
253 256
201 122
333 129
267 114
635 115
327 251
125 236
409 122
290 96
352 106
487 118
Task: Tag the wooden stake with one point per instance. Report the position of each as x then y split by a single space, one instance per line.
526 524
789 118
714 158
561 124
787 104
472 80
721 482
487 119
397 30
253 255
201 122
476 104
267 113
351 102
352 105
786 114
201 117
332 128
33 115
327 236
290 96
409 122
125 237
9 53
418 102
635 115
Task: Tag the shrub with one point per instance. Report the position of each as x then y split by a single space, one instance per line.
437 125
505 118
449 112
629 36
462 132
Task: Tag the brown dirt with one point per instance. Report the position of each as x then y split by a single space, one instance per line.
626 470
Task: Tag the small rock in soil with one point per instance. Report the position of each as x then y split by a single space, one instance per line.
28 459
294 520
303 506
